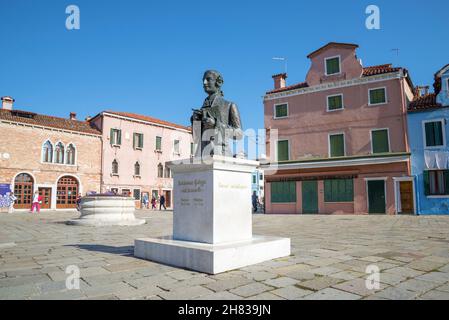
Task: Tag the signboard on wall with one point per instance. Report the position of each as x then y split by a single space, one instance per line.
5 189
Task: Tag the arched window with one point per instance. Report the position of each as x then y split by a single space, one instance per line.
114 167
70 159
59 153
167 172
137 169
47 152
160 170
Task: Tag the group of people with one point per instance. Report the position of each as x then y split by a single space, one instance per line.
146 202
35 203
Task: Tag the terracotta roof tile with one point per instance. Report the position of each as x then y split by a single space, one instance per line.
149 119
47 121
367 71
292 87
380 69
426 102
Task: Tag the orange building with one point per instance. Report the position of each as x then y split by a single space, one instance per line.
57 157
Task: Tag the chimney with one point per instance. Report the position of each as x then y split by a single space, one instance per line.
280 80
7 103
72 116
421 91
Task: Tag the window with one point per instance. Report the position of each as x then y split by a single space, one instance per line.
339 190
261 177
377 96
191 148
70 159
59 153
138 140
254 179
115 167
434 133
436 182
283 192
176 146
280 111
126 192
282 150
136 194
137 169
116 137
167 173
47 152
158 143
379 141
335 102
160 170
332 65
337 145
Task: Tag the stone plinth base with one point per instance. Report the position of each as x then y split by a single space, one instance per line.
211 258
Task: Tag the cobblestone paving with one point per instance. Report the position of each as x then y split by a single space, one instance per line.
329 258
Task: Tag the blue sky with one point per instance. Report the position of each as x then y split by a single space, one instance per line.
148 57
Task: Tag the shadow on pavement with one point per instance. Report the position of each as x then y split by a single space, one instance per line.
123 251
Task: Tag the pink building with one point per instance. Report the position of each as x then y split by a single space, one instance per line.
135 150
342 138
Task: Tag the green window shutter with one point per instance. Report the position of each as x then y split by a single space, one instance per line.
426 183
191 148
281 111
380 141
119 137
430 134
333 66
283 192
283 150
335 102
446 182
134 140
158 143
377 96
111 136
141 140
337 145
339 190
327 190
438 133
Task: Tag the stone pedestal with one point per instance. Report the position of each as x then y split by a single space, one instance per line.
212 220
107 211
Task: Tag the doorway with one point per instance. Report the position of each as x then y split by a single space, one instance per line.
45 193
376 197
167 194
309 197
67 192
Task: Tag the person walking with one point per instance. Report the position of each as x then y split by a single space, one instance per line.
37 200
12 200
162 203
78 202
153 203
255 201
145 201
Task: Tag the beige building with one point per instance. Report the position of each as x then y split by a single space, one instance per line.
58 157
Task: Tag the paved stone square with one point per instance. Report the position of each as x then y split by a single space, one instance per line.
330 256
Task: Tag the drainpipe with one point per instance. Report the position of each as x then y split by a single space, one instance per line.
417 198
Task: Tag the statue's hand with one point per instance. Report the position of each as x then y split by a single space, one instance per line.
209 122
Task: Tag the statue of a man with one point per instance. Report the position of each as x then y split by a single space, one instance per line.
217 121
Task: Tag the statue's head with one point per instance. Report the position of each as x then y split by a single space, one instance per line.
212 82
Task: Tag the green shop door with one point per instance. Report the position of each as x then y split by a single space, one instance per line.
309 197
376 197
